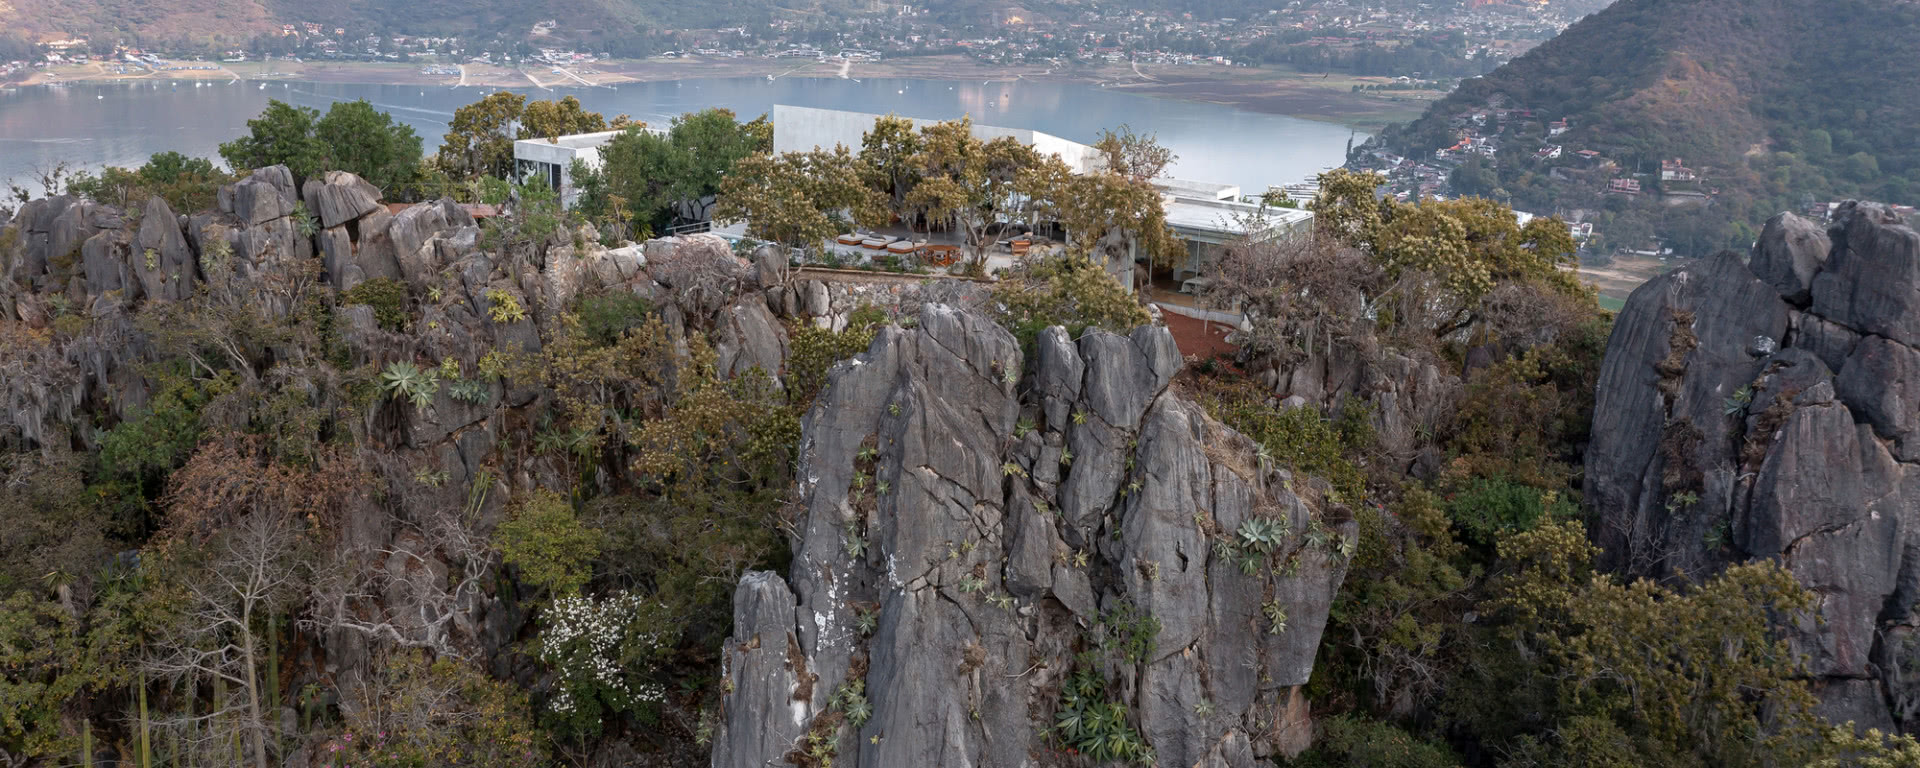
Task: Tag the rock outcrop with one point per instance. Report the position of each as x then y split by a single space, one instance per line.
1766 408
969 536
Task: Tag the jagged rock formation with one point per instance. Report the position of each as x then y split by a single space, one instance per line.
965 530
414 553
1767 409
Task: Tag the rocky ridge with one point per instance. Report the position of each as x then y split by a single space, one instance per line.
972 520
1766 408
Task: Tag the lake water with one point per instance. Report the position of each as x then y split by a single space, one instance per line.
90 125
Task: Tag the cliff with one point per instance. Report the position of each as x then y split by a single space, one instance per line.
970 538
1764 408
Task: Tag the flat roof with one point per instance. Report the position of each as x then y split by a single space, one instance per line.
1201 189
583 140
1222 218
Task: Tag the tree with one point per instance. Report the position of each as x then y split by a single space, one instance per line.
1136 157
794 198
369 143
1453 252
965 182
661 177
552 119
477 141
282 135
186 183
1648 675
887 153
1070 291
253 571
434 713
1113 218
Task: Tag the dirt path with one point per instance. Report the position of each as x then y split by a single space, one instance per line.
1143 75
463 77
536 81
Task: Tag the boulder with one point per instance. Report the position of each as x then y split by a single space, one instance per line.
1790 251
1871 282
262 197
339 197
165 265
1680 349
749 337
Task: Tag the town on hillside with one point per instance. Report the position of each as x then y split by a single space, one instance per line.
1425 46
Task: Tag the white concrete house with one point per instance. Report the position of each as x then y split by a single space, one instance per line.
551 159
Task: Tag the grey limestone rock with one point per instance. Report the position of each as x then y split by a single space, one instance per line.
1790 251
339 197
979 592
1704 455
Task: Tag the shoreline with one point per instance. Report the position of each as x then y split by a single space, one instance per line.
1320 97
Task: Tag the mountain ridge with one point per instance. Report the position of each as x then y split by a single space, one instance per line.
1775 101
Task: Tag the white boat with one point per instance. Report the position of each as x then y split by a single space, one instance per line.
769 78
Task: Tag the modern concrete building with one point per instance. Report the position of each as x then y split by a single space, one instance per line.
551 159
1207 215
1208 224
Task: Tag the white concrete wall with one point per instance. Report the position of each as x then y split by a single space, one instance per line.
562 154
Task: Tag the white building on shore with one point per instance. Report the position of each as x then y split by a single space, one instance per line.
551 160
1206 215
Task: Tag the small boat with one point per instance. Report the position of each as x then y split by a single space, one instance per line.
769 78
102 96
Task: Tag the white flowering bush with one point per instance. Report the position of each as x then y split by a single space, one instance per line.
603 651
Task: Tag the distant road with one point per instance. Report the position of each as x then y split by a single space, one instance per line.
463 77
569 73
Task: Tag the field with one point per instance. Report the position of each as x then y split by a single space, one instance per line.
1616 281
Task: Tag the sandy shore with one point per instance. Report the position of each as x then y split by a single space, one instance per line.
1274 91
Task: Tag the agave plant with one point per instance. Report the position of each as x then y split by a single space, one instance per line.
1262 534
406 380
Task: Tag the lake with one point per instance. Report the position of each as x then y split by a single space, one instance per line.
95 124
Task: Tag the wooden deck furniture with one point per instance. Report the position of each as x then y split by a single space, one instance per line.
940 255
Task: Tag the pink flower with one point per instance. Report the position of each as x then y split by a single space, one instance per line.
348 737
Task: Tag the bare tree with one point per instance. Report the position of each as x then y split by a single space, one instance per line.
253 571
410 587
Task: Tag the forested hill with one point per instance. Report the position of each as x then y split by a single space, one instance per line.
1780 99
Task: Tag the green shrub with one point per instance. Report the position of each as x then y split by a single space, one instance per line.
1069 291
1348 741
813 351
1302 438
547 542
1485 507
607 315
404 380
1090 723
387 297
